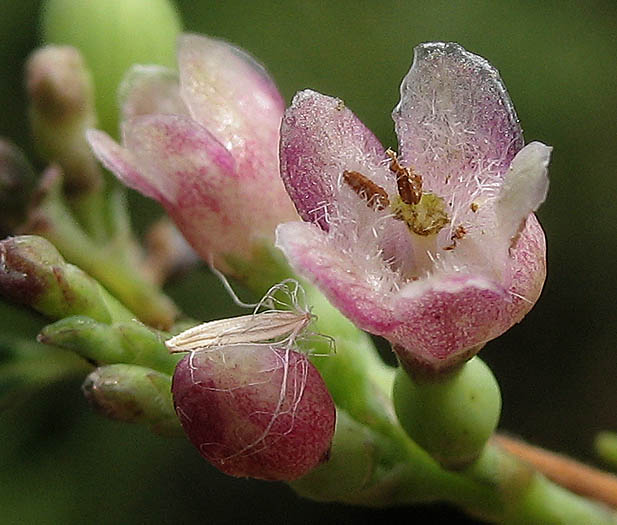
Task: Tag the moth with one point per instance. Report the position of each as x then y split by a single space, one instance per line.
269 326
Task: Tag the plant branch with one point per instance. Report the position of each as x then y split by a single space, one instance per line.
573 475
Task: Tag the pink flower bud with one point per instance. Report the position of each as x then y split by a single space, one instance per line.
204 143
255 410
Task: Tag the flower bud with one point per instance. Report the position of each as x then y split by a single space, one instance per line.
451 417
255 410
204 143
61 109
32 272
113 35
126 342
17 180
605 445
134 394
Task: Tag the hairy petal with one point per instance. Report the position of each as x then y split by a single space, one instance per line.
321 138
524 188
317 256
455 122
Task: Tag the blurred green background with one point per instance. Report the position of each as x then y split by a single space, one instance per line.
61 464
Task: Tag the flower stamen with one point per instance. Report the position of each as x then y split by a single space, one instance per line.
376 197
409 183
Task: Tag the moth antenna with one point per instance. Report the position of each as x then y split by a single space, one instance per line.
229 289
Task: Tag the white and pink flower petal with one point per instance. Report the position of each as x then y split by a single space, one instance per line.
455 122
124 165
523 190
345 282
229 93
188 163
146 90
320 140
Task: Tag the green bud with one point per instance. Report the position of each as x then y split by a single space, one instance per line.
127 342
451 417
133 394
17 181
113 35
61 110
32 272
606 447
349 467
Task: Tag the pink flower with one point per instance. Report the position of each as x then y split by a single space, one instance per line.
204 144
437 250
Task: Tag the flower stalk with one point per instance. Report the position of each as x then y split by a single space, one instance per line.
113 263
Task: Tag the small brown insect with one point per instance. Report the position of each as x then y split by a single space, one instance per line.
408 182
474 207
457 235
374 195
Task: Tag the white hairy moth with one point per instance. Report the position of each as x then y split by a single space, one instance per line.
273 325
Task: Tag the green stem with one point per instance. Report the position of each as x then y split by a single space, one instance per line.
108 263
88 208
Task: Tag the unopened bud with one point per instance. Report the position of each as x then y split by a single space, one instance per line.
255 410
32 272
127 342
58 83
453 416
133 394
61 109
17 180
112 35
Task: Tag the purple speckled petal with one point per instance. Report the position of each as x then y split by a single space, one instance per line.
317 256
124 165
183 157
455 122
446 319
150 89
229 93
321 138
445 316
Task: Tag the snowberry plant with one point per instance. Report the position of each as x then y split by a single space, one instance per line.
431 244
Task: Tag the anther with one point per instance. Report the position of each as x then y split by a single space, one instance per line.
375 196
408 182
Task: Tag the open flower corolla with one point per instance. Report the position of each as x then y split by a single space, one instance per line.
436 247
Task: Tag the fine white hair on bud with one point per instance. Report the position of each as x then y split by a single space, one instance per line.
261 411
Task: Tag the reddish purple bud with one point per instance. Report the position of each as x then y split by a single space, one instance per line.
254 410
